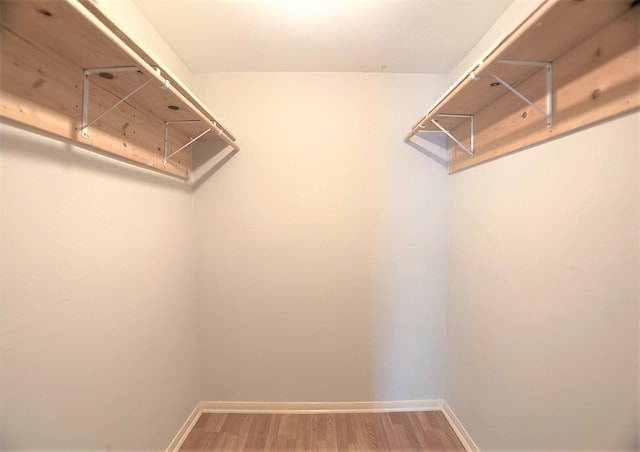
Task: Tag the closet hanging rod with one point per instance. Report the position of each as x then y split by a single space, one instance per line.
151 71
96 9
168 155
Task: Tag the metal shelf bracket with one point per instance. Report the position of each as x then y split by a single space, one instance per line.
549 81
86 84
468 150
167 156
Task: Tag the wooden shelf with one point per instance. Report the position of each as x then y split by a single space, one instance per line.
593 47
45 48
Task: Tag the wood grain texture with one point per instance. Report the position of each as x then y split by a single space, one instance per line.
239 432
594 46
46 45
42 86
543 36
596 80
145 54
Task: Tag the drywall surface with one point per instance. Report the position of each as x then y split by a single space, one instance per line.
96 300
322 244
543 323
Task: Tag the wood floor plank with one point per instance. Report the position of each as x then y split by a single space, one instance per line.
332 440
272 440
341 431
258 429
214 421
196 441
317 432
216 441
393 438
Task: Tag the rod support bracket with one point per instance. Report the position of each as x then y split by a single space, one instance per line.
469 150
86 86
548 112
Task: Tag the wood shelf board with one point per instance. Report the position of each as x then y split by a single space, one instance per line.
58 27
592 44
86 50
557 28
152 99
46 45
607 63
93 6
43 90
552 31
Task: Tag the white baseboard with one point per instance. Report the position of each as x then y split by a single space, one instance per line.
321 407
186 428
459 429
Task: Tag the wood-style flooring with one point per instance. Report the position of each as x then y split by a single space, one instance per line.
424 431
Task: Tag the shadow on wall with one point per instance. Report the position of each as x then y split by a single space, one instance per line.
83 241
72 154
425 142
206 160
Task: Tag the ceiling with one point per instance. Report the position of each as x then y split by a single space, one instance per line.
410 36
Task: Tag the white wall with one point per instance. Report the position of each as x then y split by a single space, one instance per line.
97 292
543 324
97 301
543 336
322 244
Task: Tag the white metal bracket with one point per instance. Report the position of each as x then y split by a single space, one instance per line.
549 79
469 150
86 83
167 156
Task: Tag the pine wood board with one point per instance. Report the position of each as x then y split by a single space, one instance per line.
94 7
45 46
596 80
593 46
44 91
550 32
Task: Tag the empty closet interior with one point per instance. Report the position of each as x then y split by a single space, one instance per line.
300 234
